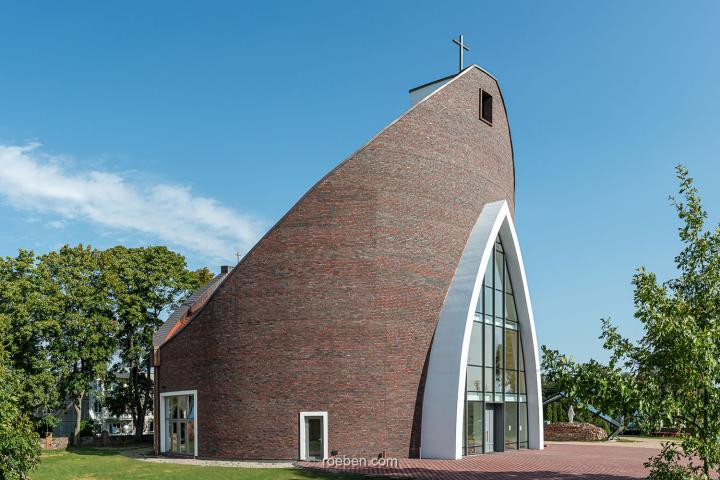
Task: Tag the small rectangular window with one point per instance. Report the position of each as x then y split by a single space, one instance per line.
486 106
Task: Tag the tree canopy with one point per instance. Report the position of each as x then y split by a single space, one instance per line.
143 283
19 449
670 378
82 330
69 321
24 332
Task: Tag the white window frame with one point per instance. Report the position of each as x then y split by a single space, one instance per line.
303 416
163 420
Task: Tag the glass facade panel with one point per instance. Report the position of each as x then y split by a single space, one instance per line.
511 350
510 313
474 379
475 353
498 359
489 272
511 381
488 301
521 383
499 352
499 302
499 270
495 372
488 345
522 424
511 426
489 380
474 427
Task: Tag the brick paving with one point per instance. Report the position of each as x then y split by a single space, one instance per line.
556 462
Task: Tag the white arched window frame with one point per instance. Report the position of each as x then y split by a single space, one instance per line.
444 397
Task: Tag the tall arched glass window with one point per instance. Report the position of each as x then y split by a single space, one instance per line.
496 394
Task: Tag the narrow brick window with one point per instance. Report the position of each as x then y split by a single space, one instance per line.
486 101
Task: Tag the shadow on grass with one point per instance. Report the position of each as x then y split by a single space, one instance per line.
103 452
134 451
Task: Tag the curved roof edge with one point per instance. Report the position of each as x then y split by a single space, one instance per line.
366 144
196 311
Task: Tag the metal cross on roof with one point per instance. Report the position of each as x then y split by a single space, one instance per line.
462 47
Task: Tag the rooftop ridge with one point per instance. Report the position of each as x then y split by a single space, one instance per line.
182 315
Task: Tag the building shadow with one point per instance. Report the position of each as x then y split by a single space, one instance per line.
416 429
135 451
94 451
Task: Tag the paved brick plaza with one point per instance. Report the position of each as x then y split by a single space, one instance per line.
556 462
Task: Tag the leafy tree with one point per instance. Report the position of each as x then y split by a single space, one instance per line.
19 449
143 283
671 376
24 338
609 388
678 358
81 328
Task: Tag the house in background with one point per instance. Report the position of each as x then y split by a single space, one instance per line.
103 420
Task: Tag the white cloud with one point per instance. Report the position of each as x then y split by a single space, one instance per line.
34 181
58 224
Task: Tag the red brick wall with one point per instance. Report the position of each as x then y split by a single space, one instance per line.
54 443
335 309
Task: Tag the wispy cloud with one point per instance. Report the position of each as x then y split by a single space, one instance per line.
34 181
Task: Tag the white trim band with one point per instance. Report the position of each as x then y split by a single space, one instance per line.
443 402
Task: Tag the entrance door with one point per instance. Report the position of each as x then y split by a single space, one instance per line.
178 423
314 438
489 428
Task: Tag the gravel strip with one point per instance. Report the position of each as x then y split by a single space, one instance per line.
221 463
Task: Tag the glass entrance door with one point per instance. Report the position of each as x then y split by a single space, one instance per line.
180 424
314 438
489 428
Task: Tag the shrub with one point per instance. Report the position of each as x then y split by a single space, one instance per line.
19 448
670 464
88 428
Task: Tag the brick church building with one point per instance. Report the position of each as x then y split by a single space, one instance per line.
386 313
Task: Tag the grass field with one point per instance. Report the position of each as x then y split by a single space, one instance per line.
98 464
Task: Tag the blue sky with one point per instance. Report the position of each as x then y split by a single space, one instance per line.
198 124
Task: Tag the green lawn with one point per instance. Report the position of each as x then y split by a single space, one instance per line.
101 463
